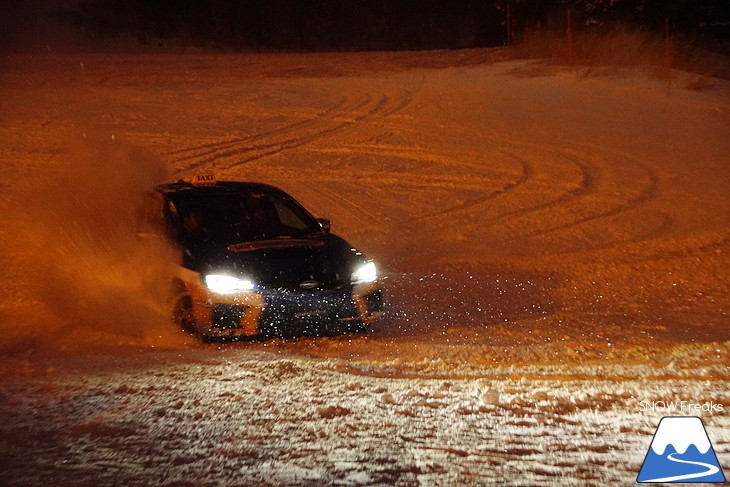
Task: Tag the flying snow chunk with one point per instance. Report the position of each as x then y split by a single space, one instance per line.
681 452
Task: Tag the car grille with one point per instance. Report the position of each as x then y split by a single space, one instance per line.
226 316
295 310
314 285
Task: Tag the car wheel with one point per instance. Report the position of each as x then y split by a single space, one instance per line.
182 315
358 327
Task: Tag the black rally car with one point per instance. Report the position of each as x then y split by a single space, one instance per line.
255 262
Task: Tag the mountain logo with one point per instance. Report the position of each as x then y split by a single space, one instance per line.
681 452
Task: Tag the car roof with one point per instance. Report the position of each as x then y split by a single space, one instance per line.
220 187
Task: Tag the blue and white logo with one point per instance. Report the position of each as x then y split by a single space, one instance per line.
681 452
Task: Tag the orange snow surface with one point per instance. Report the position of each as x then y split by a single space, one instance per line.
554 243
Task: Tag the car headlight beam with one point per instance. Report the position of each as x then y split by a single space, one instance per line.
366 272
225 284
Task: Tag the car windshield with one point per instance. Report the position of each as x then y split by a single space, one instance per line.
229 218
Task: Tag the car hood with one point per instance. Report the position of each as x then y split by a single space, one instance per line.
320 262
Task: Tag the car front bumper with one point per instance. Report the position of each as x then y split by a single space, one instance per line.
282 312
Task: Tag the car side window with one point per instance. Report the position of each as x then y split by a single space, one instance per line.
287 216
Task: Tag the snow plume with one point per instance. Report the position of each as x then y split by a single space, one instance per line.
91 277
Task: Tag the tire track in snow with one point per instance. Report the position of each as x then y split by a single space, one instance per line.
527 173
644 195
336 118
264 141
459 213
570 209
211 148
590 185
383 107
356 207
445 180
585 186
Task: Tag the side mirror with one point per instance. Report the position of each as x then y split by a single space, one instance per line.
325 224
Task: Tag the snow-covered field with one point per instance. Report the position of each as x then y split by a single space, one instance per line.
555 245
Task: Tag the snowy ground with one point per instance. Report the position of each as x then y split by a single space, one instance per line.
555 243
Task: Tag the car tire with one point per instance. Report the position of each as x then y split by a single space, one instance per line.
358 327
182 315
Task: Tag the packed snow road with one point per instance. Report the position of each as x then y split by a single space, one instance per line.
554 244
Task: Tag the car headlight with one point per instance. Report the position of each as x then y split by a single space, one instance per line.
223 284
365 273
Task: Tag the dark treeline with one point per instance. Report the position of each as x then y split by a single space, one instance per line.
384 24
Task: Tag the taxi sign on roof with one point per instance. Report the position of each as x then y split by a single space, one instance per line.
203 180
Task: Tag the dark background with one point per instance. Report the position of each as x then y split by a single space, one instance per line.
343 25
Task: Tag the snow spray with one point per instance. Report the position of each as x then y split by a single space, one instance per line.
90 277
